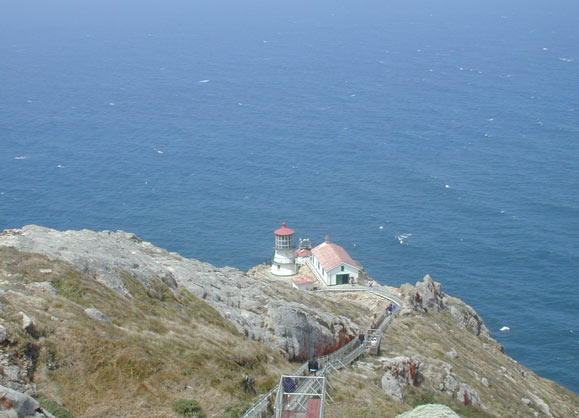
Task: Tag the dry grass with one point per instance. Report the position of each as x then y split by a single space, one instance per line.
161 346
356 396
509 381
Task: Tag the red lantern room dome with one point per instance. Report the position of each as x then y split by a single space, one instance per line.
284 230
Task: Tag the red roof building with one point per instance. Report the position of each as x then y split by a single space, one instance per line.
333 265
302 252
304 283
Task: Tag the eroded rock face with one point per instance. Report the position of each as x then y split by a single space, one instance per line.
405 371
293 328
399 372
17 404
441 375
427 296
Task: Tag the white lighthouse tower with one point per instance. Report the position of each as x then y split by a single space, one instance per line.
284 259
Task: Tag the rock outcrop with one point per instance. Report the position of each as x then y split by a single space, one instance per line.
294 328
150 342
427 296
400 371
14 404
96 314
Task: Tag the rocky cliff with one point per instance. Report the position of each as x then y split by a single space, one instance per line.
439 350
257 309
105 324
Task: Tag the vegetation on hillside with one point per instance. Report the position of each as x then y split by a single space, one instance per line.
160 347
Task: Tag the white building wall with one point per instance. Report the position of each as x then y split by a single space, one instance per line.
350 270
329 277
283 263
319 269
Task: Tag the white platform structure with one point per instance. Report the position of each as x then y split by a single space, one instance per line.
333 265
284 263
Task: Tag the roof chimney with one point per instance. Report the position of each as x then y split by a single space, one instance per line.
327 239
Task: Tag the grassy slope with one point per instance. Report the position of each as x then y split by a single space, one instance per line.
509 381
163 346
358 393
160 346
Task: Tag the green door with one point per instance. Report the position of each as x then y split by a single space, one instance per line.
342 278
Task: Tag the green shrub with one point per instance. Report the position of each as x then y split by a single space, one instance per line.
54 408
236 410
188 408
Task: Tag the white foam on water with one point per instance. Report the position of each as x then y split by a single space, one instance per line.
60 166
204 81
21 157
447 186
504 329
402 238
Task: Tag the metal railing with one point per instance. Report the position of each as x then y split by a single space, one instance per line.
306 388
340 358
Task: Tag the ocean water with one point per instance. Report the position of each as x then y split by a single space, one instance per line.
424 138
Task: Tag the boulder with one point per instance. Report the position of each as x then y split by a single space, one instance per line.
96 314
405 369
452 353
3 334
392 387
541 404
17 404
399 372
28 325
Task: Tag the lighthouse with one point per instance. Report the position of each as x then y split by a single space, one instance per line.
284 259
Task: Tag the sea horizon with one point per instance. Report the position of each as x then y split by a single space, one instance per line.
423 138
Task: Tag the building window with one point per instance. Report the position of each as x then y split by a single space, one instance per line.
342 268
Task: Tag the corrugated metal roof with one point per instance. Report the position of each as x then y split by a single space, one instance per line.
331 255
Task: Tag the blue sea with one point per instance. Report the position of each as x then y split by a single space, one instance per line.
434 137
